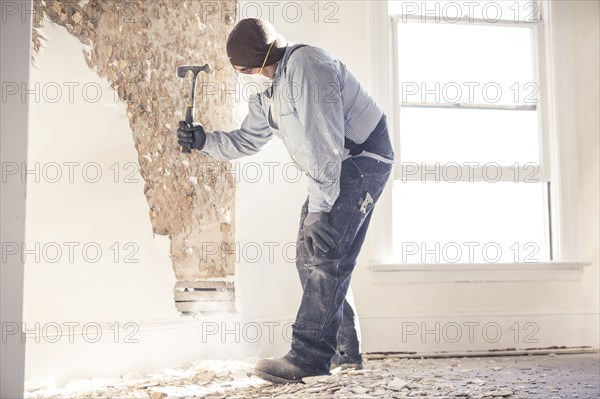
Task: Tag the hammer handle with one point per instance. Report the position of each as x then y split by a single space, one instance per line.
189 115
189 119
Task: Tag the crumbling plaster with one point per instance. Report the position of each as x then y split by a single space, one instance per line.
136 46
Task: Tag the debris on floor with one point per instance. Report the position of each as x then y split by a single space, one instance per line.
523 377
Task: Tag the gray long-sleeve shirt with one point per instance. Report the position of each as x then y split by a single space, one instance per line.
319 103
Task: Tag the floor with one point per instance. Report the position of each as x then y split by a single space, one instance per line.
550 376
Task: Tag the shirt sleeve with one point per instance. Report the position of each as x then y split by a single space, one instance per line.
320 110
252 135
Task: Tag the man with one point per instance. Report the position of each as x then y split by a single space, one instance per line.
337 134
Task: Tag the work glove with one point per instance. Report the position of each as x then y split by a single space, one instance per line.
319 233
191 136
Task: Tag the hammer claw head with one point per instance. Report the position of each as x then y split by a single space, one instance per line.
183 69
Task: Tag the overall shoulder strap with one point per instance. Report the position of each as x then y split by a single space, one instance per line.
296 48
292 52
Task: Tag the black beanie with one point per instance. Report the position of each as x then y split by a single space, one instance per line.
249 42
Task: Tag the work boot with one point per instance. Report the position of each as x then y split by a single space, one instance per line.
346 362
281 371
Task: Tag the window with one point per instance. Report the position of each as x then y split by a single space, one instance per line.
472 179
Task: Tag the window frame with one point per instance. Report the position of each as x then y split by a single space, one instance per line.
558 162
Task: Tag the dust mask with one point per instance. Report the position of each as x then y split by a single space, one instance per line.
255 83
261 79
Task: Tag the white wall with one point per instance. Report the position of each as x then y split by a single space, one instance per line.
129 281
586 77
85 207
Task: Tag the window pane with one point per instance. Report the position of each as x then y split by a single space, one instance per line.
469 222
466 63
450 10
442 135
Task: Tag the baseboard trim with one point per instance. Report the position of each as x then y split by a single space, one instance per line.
489 353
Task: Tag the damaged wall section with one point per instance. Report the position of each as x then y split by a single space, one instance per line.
136 46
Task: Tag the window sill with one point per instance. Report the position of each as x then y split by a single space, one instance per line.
477 272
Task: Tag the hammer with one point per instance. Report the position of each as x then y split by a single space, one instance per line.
181 72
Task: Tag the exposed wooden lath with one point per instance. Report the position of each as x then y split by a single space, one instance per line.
205 296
